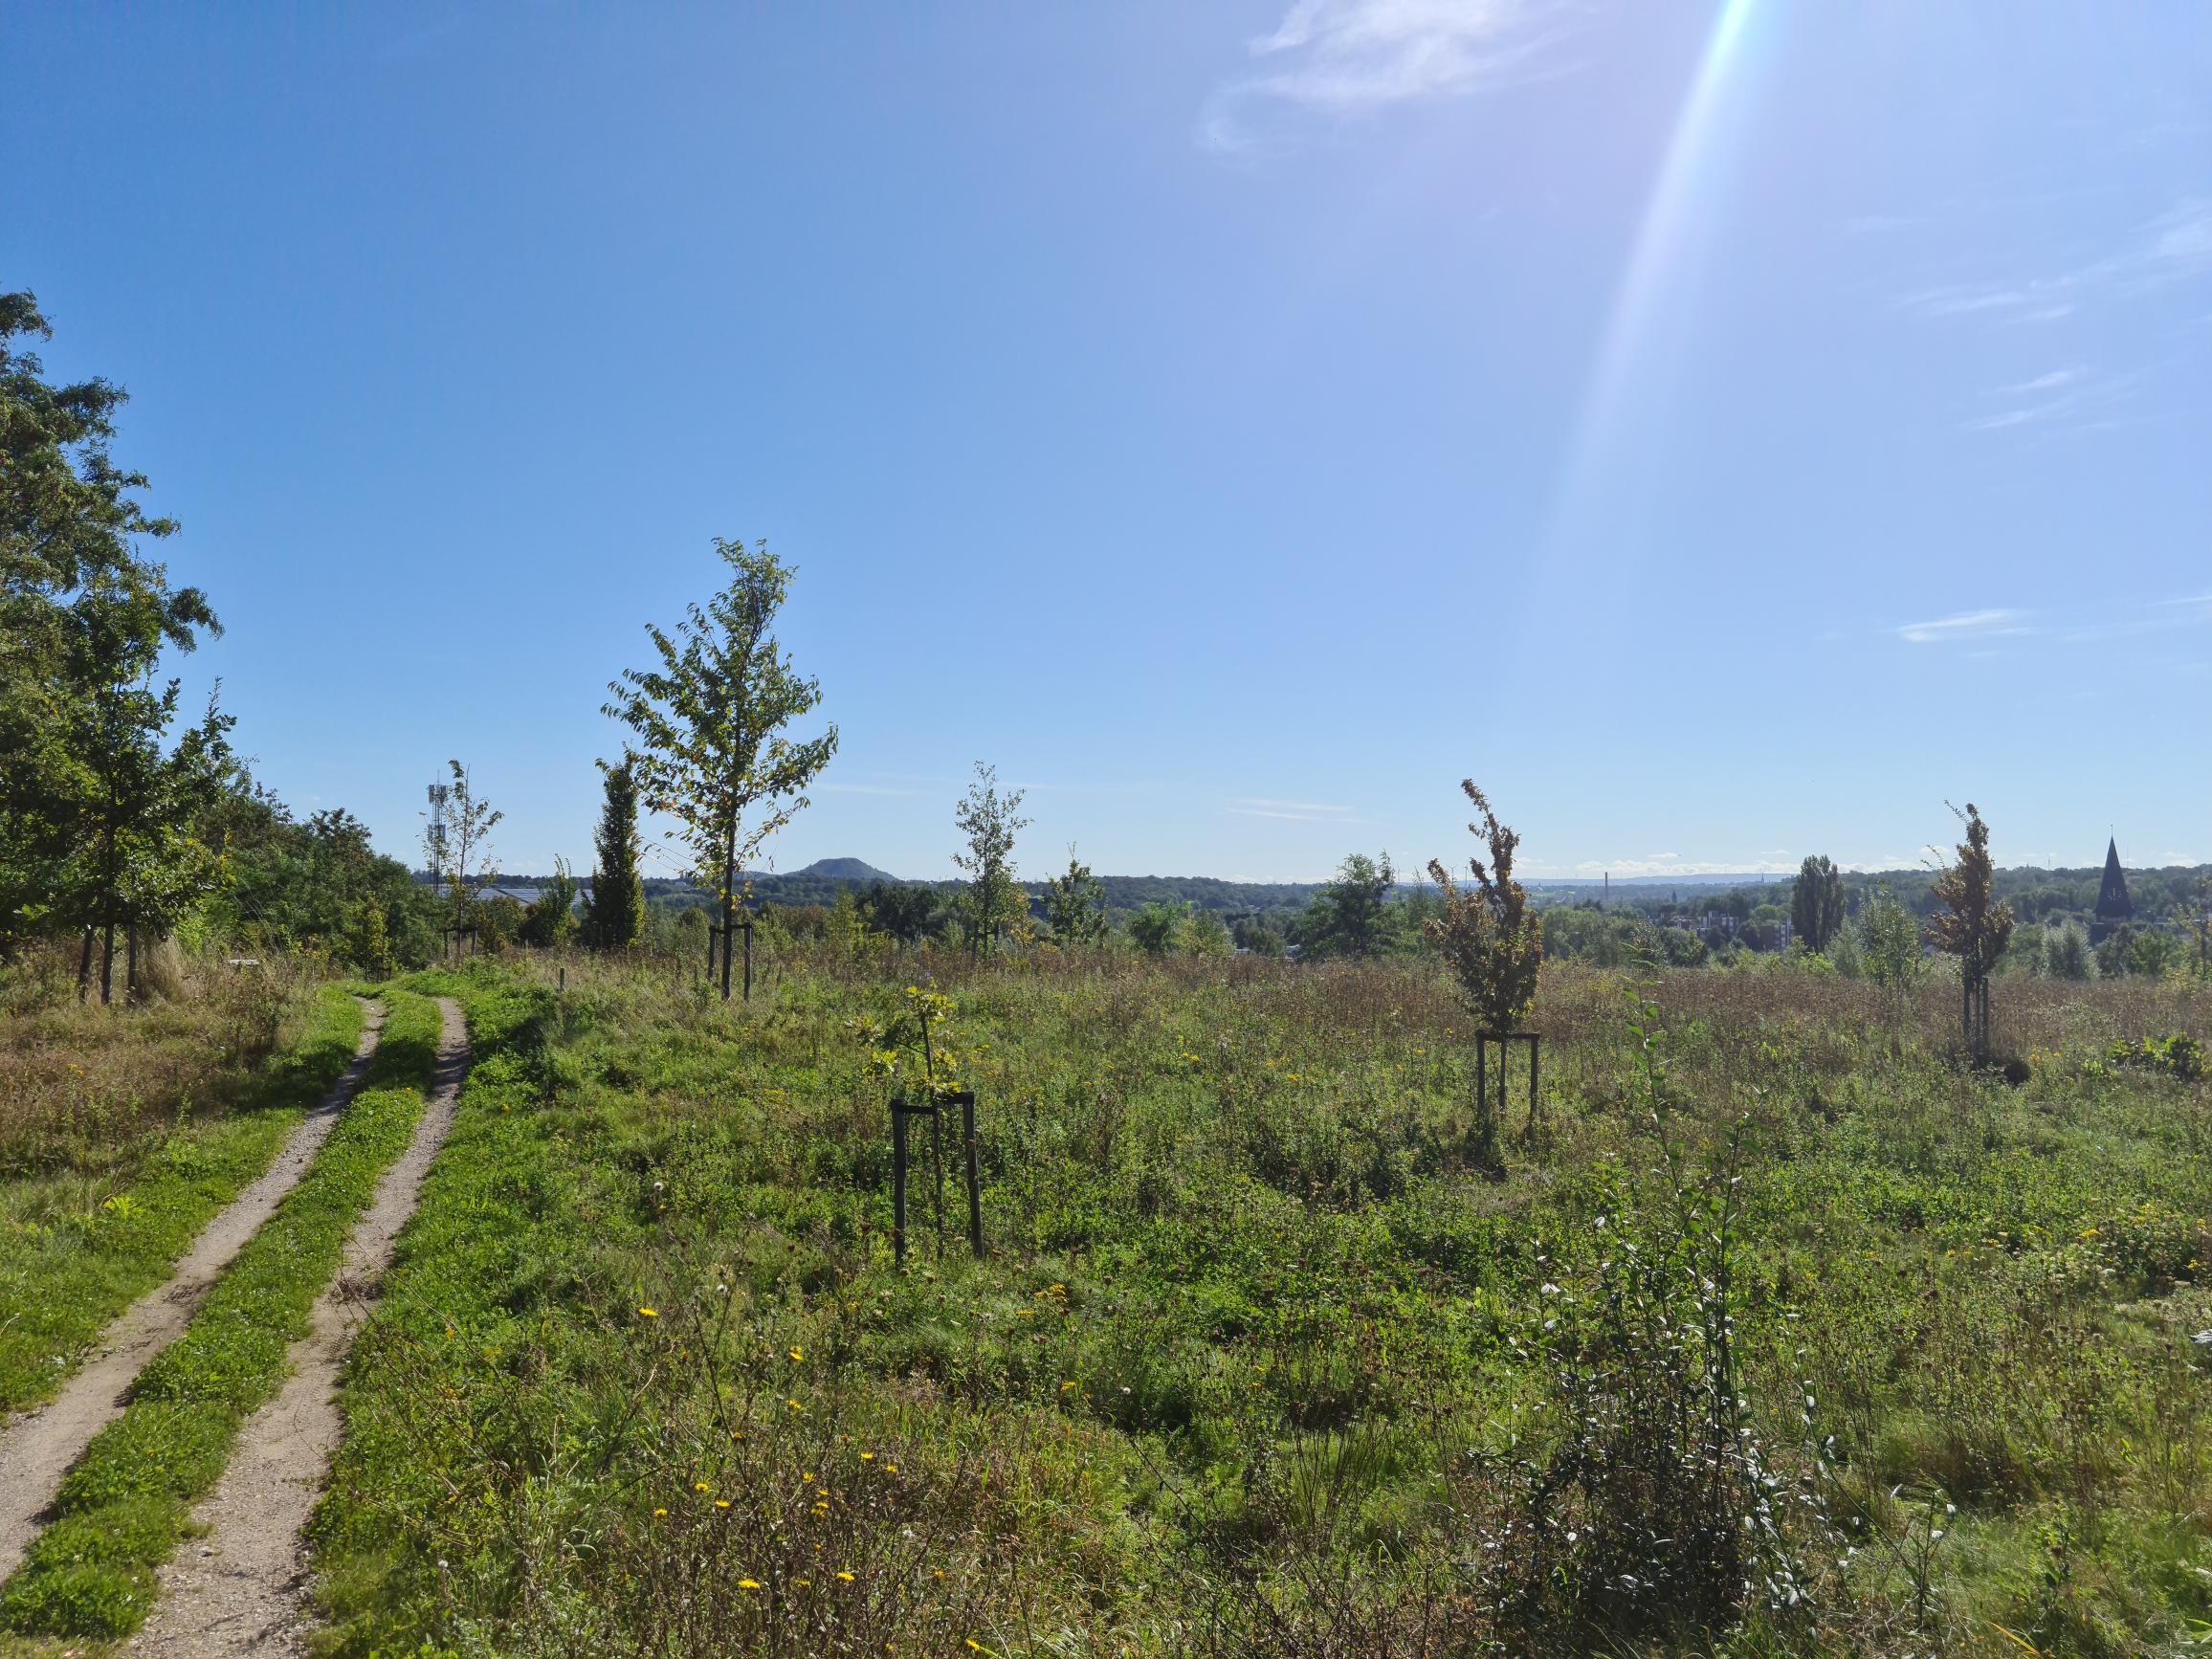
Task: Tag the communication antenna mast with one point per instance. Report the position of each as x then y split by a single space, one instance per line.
435 840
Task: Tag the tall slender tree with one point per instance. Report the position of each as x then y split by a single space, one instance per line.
1816 903
1973 924
614 914
711 719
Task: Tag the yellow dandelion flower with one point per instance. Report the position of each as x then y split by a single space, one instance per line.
648 1313
748 1583
805 1477
794 1406
1065 1386
659 1513
868 1457
803 1583
798 1353
700 1486
721 1503
847 1577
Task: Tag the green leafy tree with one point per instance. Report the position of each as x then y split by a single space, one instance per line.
1203 932
1075 904
1350 916
2153 954
614 914
97 805
1155 929
130 799
992 900
369 939
1258 936
1971 925
2066 954
2194 912
908 913
1815 905
1890 954
497 922
1491 944
712 719
551 919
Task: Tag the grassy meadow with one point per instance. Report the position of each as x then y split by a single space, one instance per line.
122 1134
1782 1333
126 1505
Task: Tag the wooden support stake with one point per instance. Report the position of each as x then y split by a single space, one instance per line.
899 1181
975 1189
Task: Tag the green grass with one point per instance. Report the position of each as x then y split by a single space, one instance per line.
124 1505
78 1252
1259 1363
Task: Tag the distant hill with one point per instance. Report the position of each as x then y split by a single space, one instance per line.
844 869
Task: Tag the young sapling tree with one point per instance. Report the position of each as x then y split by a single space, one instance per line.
1494 948
993 898
1971 925
711 718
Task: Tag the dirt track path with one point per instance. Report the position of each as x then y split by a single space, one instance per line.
37 1449
242 1588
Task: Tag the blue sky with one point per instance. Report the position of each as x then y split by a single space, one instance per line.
1727 432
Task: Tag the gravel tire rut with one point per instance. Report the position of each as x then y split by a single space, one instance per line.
38 1447
242 1588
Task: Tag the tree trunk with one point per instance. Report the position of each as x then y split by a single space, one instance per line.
109 877
130 983
84 966
729 898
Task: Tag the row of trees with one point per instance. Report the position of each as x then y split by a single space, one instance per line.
104 794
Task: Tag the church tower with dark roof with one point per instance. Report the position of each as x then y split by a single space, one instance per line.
2113 910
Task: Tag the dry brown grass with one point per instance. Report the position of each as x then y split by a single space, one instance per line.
81 1085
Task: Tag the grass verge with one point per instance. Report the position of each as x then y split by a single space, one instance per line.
126 1505
76 1259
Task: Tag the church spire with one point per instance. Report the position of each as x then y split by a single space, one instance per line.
2114 909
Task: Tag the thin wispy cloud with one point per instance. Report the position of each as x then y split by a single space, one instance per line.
2174 246
2062 396
1966 626
1976 630
2050 381
1291 811
1341 60
2160 616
